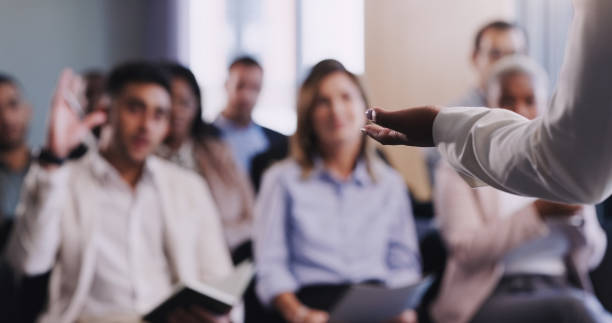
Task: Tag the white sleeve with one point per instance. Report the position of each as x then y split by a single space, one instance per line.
35 239
563 156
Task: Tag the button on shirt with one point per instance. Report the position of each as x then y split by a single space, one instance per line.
322 230
131 270
245 142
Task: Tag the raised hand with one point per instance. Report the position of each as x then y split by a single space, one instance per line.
66 127
410 127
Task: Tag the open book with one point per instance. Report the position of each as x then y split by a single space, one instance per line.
217 298
368 304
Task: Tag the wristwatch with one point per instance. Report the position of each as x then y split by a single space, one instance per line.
46 156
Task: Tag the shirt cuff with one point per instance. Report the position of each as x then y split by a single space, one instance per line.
270 286
402 277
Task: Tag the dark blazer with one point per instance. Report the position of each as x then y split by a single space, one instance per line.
278 149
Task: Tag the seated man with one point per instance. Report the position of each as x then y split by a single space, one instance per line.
119 227
254 147
15 115
519 259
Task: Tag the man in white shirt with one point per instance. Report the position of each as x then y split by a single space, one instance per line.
119 227
563 156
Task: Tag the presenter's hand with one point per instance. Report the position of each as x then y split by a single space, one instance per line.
410 127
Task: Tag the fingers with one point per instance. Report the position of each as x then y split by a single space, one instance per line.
389 119
75 94
63 84
384 135
416 124
94 119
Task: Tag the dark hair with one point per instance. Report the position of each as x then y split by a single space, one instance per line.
7 79
245 61
136 72
498 25
93 73
199 128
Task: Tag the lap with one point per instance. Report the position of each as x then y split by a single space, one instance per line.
541 303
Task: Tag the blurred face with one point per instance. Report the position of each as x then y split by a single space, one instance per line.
338 112
496 44
139 119
15 116
243 87
184 109
517 93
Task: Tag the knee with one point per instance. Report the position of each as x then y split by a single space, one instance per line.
577 308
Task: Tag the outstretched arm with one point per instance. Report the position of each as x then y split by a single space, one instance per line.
563 156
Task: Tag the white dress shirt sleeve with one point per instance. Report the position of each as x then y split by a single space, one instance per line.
35 240
563 156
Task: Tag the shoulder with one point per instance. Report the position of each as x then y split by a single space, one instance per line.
386 174
274 136
282 172
286 169
171 173
473 98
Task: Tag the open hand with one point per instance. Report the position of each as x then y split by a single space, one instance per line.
410 127
66 128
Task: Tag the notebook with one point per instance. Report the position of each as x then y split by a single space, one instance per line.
217 298
369 304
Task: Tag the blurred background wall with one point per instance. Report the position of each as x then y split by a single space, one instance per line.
408 52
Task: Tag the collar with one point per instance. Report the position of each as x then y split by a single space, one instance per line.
223 122
104 171
359 176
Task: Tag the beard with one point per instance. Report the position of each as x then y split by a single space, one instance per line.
10 145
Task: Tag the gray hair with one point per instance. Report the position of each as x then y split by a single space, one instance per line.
518 64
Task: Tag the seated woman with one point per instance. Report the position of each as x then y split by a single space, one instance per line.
197 145
333 214
512 258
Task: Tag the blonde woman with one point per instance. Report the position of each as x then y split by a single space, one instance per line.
332 215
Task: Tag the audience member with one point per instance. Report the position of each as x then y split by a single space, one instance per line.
15 115
15 157
332 215
519 259
254 147
196 145
493 42
117 227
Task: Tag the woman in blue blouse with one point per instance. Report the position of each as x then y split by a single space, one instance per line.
332 215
